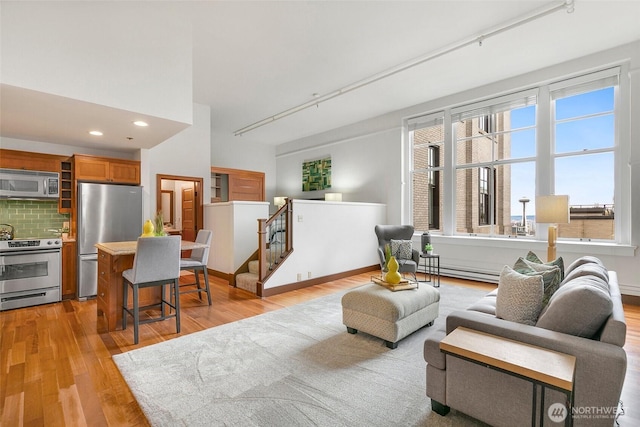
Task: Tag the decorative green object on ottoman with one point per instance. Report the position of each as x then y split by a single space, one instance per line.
388 315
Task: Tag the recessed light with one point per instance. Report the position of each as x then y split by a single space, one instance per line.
140 123
95 133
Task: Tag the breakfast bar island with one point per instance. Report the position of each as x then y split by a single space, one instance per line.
113 259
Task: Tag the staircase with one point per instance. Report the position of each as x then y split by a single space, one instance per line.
249 281
274 245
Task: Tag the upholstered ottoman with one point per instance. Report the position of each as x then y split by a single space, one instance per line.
389 315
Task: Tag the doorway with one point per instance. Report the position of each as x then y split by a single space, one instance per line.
186 216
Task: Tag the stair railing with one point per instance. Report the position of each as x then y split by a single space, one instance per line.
275 241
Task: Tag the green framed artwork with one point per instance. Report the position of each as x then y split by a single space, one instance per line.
316 174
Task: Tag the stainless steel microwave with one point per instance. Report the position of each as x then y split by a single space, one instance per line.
27 184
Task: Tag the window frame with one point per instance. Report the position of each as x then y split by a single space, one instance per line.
544 179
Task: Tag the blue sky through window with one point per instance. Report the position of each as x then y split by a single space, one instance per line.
585 122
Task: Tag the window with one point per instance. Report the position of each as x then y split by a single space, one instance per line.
495 157
427 139
484 195
495 148
584 119
484 124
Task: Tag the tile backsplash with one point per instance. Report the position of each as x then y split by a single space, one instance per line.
32 218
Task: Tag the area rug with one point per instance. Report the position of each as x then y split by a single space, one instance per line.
296 366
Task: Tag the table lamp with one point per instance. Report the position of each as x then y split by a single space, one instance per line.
279 201
552 210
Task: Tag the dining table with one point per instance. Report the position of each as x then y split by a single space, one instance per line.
113 259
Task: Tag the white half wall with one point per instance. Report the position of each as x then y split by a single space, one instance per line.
330 238
235 232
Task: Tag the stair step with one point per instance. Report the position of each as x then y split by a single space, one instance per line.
247 281
254 266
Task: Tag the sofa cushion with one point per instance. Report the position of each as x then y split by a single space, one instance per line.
401 249
580 307
581 261
558 262
519 296
588 269
486 304
550 276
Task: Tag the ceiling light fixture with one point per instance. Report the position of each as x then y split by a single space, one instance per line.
141 123
568 5
95 133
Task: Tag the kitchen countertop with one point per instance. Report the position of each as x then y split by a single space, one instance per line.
129 248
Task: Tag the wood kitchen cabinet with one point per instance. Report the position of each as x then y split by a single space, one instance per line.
109 298
69 270
104 169
16 159
236 184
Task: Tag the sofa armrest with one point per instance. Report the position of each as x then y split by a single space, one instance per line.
614 330
415 256
381 258
600 366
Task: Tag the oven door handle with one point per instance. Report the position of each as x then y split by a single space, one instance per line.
30 252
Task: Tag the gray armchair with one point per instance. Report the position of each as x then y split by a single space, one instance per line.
385 234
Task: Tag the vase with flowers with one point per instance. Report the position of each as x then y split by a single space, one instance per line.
159 224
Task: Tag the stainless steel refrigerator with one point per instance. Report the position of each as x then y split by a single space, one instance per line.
106 213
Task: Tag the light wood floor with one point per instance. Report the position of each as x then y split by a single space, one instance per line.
55 370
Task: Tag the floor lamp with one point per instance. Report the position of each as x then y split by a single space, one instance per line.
552 210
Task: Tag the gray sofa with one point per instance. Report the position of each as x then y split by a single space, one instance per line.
584 317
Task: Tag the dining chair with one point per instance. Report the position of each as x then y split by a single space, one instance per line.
198 262
156 263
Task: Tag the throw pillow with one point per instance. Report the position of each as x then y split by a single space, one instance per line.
579 308
558 262
550 276
519 296
401 249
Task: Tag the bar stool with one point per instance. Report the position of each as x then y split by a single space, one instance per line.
197 262
156 263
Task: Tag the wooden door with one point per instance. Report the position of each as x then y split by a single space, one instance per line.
188 215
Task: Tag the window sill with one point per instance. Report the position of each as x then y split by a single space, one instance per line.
578 247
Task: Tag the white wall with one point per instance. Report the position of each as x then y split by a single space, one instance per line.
330 238
376 144
228 151
185 154
139 59
365 168
235 232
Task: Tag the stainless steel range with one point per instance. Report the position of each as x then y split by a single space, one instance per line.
30 272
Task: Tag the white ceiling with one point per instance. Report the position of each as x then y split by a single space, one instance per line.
252 60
